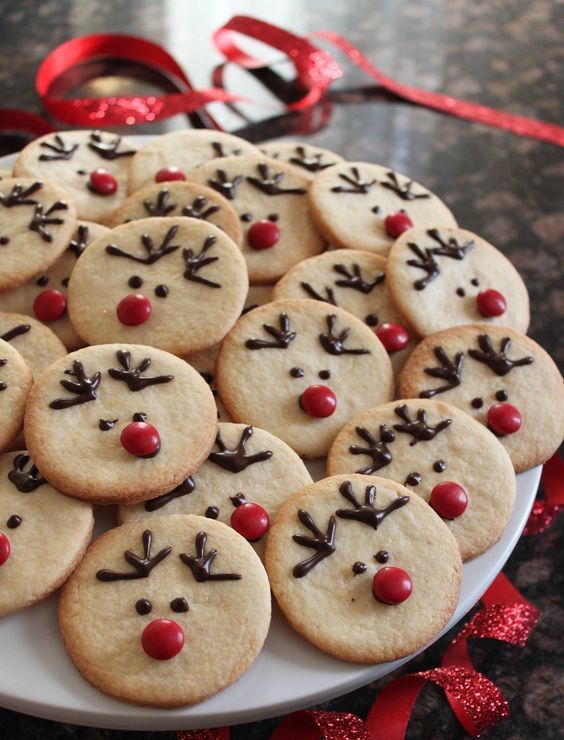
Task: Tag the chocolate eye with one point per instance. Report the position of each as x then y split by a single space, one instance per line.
371 319
273 217
139 416
65 282
324 374
14 521
42 281
143 606
179 605
297 372
246 217
501 396
135 281
161 291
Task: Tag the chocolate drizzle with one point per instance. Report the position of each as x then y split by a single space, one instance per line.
143 565
271 184
161 207
24 480
183 489
198 208
450 370
418 428
108 149
201 563
427 261
323 544
357 184
335 345
312 293
78 245
367 513
83 387
153 254
104 425
59 149
17 331
355 280
497 361
378 450
405 190
225 186
132 375
20 196
236 460
195 262
282 336
311 163
40 220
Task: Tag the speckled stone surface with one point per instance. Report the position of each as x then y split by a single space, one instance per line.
503 53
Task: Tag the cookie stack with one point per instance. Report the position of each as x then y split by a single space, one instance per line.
181 325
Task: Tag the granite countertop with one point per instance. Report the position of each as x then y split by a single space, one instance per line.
507 189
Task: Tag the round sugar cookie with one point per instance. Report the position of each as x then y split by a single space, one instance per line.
70 158
16 380
288 356
308 159
423 444
47 533
271 200
447 277
337 540
119 423
55 278
501 378
36 223
246 466
350 202
182 152
37 344
189 603
177 284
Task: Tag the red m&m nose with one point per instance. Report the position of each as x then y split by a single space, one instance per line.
449 499
394 337
396 223
141 439
491 303
503 419
4 548
49 305
263 234
251 521
162 639
392 585
318 401
134 309
169 173
103 182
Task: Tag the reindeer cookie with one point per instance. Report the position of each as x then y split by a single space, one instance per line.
247 477
36 343
355 281
36 224
173 199
501 378
365 206
119 423
307 159
43 534
301 369
174 156
271 200
16 380
178 284
362 568
447 277
166 611
442 455
90 165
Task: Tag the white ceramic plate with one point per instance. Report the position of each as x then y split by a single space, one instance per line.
37 676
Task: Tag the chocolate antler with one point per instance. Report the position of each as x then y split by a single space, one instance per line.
450 248
16 331
355 280
404 191
235 460
132 375
24 480
323 544
19 196
497 361
377 449
3 362
161 207
312 293
153 254
195 262
108 149
41 220
282 336
418 428
312 163
61 151
449 371
196 210
78 245
335 345
271 185
187 486
227 188
358 185
84 387
367 513
201 563
425 262
142 565
220 152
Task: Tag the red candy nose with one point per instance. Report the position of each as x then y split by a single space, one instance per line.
394 337
318 401
449 499
134 310
4 548
503 419
169 173
49 305
491 303
263 234
251 521
392 585
141 439
103 182
162 639
396 223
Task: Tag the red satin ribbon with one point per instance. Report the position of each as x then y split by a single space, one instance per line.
544 510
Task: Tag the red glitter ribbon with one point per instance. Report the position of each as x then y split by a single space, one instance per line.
544 510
